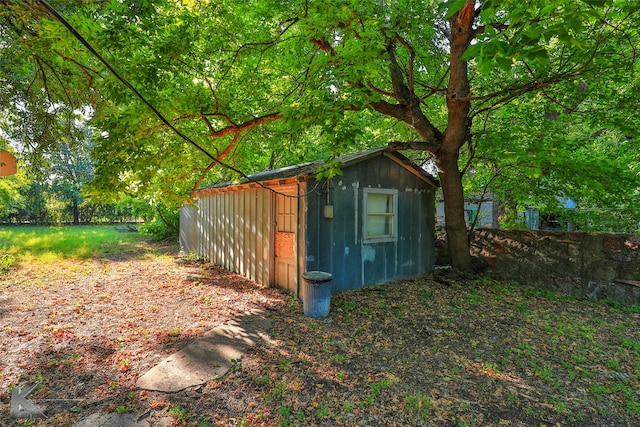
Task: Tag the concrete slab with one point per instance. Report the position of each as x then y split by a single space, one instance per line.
112 420
206 358
128 419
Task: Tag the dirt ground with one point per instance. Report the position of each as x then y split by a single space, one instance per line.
439 350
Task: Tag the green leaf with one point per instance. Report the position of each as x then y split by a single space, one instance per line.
473 51
596 3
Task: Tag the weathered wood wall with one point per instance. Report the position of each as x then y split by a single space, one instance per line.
232 230
273 235
188 229
336 245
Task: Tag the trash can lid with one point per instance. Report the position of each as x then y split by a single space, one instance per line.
317 276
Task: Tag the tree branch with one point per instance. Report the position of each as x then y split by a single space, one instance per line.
218 160
324 46
412 56
402 93
414 145
85 69
233 127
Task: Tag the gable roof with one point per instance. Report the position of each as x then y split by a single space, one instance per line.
311 168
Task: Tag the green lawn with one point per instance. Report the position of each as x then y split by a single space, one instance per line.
49 244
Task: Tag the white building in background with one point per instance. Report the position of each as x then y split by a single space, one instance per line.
484 208
487 209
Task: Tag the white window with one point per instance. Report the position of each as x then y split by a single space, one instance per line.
380 220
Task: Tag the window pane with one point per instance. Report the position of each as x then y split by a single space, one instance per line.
380 215
379 203
379 225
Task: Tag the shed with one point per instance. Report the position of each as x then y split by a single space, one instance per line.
370 225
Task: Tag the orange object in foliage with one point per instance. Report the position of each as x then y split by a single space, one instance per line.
7 163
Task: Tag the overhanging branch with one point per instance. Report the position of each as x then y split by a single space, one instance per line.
413 145
236 128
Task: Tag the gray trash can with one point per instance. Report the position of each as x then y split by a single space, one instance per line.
317 296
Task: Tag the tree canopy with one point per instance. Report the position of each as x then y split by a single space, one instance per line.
533 96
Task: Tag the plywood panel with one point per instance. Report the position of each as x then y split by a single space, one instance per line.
285 245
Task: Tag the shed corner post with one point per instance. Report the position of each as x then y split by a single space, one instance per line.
302 233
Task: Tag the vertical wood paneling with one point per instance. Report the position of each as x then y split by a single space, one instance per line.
202 226
302 233
219 236
198 204
265 241
259 236
220 219
252 194
233 229
231 242
240 227
248 220
216 227
205 228
246 245
222 259
188 229
199 228
236 234
211 248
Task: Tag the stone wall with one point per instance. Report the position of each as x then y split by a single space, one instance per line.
598 265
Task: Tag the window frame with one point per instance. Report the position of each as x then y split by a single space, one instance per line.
380 238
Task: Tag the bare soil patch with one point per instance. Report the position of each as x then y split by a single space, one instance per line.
439 350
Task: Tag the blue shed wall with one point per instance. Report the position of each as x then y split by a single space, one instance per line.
336 245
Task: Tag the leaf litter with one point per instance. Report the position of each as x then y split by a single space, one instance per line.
443 349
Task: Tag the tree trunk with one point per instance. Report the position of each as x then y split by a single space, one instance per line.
76 211
457 133
457 236
444 147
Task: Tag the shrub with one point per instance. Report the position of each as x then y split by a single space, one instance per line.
6 261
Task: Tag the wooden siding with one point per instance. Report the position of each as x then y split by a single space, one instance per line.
245 228
337 246
234 231
252 230
188 229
